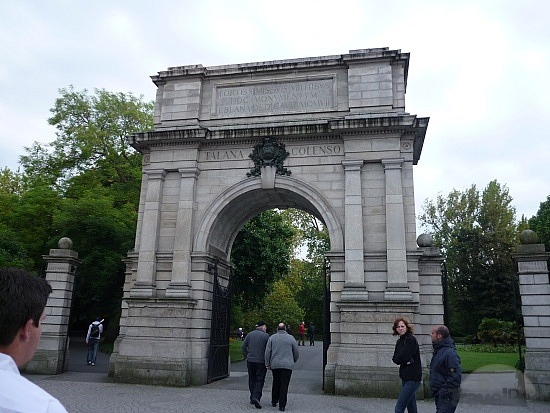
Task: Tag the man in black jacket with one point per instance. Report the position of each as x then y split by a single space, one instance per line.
445 371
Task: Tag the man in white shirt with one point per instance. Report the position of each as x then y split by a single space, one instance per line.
23 300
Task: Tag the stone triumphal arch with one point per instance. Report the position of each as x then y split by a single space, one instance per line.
328 135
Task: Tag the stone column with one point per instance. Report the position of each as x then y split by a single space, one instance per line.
430 311
180 285
144 286
52 354
354 284
397 287
532 263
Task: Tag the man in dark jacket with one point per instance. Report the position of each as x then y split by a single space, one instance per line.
253 349
445 371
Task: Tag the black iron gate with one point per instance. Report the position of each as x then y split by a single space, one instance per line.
326 313
218 356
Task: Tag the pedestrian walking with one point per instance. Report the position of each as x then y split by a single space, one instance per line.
407 356
445 371
253 349
301 333
281 353
311 333
95 329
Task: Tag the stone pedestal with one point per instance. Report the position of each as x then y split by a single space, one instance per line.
532 262
52 355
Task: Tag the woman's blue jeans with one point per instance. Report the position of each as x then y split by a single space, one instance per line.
407 397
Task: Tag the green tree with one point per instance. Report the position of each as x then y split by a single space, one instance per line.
540 223
315 238
310 295
10 182
92 133
281 306
103 231
476 232
27 212
261 255
85 185
12 252
312 233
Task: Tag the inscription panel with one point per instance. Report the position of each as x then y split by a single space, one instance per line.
304 151
269 98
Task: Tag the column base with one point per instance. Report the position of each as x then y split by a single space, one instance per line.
140 290
354 293
398 294
178 290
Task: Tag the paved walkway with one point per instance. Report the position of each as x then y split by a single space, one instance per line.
86 389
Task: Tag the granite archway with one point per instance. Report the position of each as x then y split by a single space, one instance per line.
329 135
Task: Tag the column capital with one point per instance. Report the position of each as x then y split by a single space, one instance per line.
189 172
394 163
155 173
352 165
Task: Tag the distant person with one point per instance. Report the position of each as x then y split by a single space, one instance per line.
253 349
281 353
445 371
92 339
407 356
311 333
23 300
240 334
289 330
301 333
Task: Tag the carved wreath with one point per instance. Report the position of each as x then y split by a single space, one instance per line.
268 153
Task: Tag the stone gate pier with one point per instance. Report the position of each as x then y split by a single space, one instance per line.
534 287
328 135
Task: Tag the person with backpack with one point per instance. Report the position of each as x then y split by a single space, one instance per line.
92 339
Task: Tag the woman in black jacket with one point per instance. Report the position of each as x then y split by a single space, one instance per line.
407 355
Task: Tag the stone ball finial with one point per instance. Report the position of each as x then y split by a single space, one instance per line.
528 236
65 243
425 240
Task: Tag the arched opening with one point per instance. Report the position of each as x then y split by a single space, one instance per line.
241 203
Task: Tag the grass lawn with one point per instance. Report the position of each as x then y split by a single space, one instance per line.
473 360
235 353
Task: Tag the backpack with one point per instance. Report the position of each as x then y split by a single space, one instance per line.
94 332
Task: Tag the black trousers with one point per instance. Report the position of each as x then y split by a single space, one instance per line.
256 379
279 389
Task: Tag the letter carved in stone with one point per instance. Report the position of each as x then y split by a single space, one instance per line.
268 153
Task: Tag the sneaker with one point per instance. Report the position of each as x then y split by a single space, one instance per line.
93 364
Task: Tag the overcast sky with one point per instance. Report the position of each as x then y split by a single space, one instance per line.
480 70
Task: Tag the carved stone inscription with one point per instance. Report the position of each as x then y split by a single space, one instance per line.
294 152
275 98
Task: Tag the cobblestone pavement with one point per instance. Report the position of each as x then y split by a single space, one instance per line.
87 390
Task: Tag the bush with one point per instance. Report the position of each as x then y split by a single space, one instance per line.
489 348
495 332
